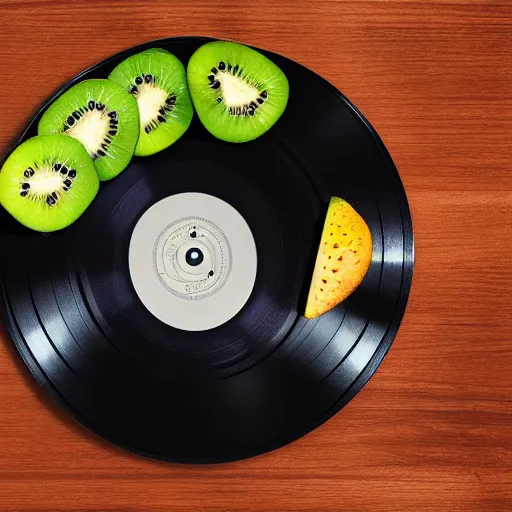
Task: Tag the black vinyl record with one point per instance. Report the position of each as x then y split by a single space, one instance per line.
267 375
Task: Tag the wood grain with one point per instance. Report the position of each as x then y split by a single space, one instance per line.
433 429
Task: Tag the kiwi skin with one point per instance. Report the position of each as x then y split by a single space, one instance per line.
41 196
238 93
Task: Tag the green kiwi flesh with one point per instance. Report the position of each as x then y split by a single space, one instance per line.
48 182
158 81
103 117
156 50
237 92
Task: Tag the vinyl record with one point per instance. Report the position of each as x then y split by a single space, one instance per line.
228 368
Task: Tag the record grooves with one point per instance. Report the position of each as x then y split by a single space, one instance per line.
265 376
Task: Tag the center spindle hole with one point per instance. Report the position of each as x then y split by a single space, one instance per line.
194 257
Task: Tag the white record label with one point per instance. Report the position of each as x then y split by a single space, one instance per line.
192 261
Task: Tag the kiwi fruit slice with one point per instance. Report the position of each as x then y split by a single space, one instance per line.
103 117
48 182
238 93
158 81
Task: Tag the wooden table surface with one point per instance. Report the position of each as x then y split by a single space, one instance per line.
433 428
